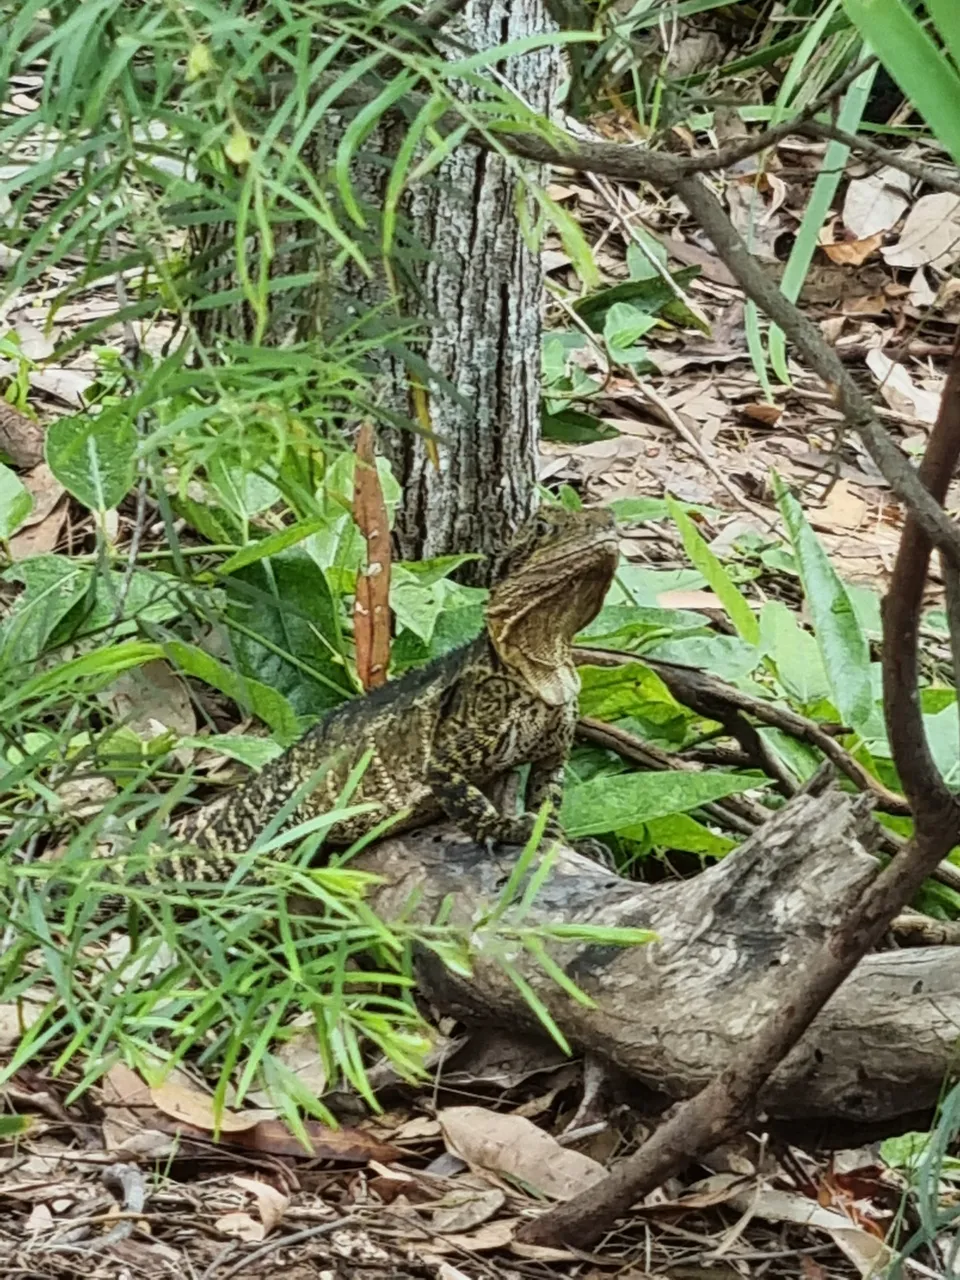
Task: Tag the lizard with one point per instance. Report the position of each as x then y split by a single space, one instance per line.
440 734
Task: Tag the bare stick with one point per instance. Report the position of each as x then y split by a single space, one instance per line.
726 1106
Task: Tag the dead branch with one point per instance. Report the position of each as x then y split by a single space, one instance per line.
725 1106
672 1014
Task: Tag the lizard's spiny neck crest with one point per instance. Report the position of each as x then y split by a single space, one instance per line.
551 584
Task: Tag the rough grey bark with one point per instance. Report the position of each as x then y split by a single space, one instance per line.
675 1012
482 293
468 281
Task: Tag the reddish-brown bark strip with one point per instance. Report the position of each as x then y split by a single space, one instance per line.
371 609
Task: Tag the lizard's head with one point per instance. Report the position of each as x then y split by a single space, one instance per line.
549 584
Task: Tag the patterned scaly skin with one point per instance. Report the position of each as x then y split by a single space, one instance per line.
439 734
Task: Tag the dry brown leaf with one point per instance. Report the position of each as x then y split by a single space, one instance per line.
876 203
843 508
152 700
417 1127
852 252
352 1145
931 234
42 529
900 391
371 610
540 1252
688 599
187 1103
508 1144
241 1226
21 438
492 1235
464 1210
865 1250
271 1203
762 411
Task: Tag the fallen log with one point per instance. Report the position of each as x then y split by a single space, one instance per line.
673 1013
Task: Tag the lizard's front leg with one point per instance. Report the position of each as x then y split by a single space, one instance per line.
467 806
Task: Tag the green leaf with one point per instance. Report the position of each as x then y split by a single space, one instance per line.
794 653
286 631
272 707
93 458
419 600
922 71
576 427
843 646
725 656
730 596
680 831
254 752
272 544
615 803
623 327
614 693
635 628
653 295
52 586
16 502
572 238
638 510
14 1126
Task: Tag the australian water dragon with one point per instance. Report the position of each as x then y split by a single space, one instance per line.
440 734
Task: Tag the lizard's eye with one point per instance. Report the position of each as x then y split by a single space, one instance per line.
543 526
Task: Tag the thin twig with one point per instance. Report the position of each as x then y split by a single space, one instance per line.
932 175
281 1241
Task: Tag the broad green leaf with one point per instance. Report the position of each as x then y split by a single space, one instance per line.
634 691
730 596
634 628
725 656
653 295
623 327
419 601
843 646
802 760
680 831
52 586
254 752
16 502
286 631
272 544
639 510
272 707
454 628
93 458
576 427
14 1126
613 804
641 262
634 585
794 653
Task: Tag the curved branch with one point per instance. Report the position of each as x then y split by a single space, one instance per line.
931 801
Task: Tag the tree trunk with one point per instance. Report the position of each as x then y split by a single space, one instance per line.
673 1014
472 284
482 290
